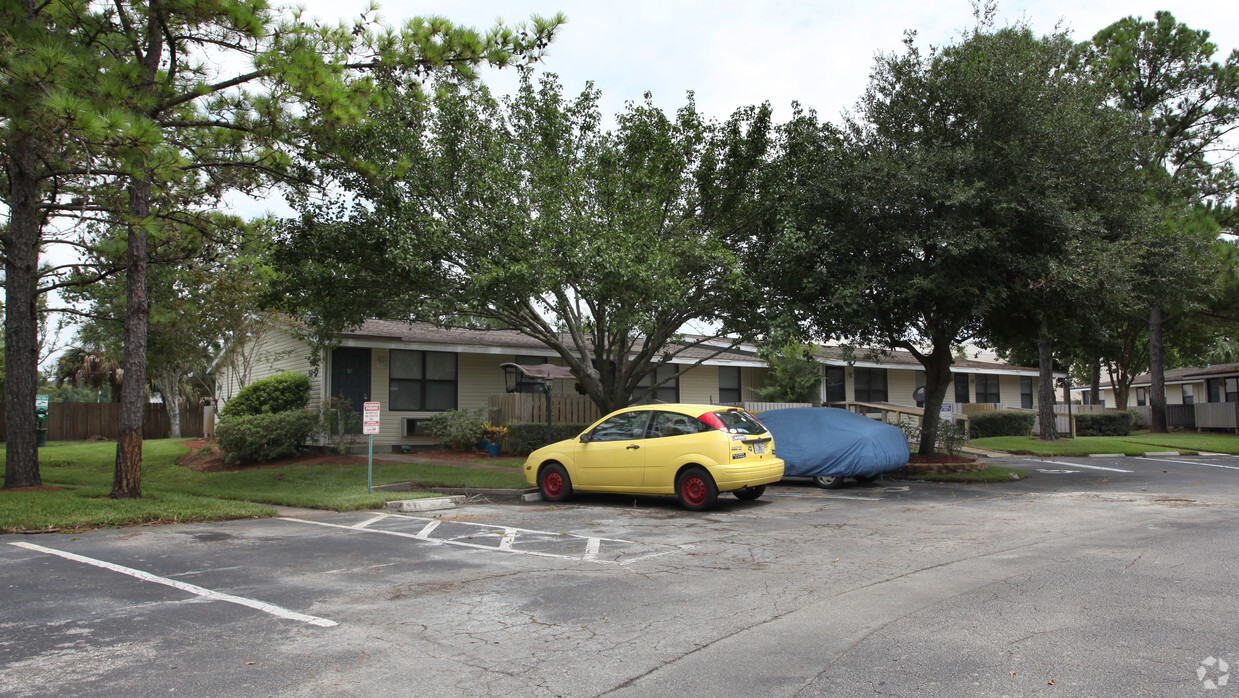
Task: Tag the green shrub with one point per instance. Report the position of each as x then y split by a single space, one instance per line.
259 438
459 430
1105 423
282 392
986 424
526 437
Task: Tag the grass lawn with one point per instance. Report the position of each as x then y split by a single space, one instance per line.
1132 445
993 473
77 478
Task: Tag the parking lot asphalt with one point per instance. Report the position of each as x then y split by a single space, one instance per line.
1101 576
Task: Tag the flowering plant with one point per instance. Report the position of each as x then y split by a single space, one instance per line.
494 434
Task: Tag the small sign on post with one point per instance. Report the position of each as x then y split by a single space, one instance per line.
370 418
370 427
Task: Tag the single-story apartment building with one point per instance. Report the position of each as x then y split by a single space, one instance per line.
415 371
1184 386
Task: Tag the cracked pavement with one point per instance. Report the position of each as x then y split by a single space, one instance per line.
1077 583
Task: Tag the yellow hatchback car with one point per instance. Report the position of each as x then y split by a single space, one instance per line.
691 451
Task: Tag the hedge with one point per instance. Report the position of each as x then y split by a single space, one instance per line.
282 392
1105 423
526 437
983 424
259 438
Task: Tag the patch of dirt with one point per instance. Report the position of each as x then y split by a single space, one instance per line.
204 457
33 488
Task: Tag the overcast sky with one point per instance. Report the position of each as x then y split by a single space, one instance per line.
732 53
737 53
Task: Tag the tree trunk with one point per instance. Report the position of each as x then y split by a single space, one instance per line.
1157 373
1094 385
1045 389
937 381
169 388
126 483
21 255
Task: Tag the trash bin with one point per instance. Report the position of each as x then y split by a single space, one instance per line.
41 437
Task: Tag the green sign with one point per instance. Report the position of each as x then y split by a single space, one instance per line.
40 402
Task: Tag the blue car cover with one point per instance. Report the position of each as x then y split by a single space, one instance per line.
829 441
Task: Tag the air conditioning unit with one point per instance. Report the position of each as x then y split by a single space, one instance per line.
412 426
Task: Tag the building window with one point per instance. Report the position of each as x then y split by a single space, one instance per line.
667 392
961 387
870 384
729 384
987 389
836 384
1188 397
918 391
422 381
1223 389
1026 392
1142 397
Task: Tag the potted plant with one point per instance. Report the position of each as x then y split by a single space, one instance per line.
494 436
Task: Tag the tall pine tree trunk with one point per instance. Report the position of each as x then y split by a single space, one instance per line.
1045 389
127 480
21 255
1157 372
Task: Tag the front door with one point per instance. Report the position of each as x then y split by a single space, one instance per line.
350 378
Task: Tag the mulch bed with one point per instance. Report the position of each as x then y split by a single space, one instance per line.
943 463
210 461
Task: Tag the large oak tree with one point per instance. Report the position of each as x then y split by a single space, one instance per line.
528 214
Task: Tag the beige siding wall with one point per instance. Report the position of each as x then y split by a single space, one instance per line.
277 351
900 383
1009 390
700 385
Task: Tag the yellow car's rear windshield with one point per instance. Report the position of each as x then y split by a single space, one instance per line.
740 422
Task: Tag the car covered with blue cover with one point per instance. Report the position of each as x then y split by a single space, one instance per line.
829 444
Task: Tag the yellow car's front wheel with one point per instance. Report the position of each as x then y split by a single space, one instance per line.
554 483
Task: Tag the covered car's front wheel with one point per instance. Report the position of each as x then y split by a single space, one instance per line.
828 482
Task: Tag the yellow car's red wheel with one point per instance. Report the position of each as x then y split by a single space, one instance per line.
554 482
696 489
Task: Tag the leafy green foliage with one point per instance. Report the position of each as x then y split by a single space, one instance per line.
459 430
525 214
279 393
949 204
794 375
985 424
1103 423
262 437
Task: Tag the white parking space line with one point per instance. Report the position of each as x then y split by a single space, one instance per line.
376 519
1078 465
1190 462
427 530
591 548
188 588
509 535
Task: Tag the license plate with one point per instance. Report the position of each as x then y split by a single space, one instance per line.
759 448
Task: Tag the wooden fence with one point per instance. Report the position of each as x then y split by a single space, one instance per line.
531 407
78 421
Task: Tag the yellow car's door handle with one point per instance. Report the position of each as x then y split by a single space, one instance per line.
633 447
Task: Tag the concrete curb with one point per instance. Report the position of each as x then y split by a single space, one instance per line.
427 504
1150 454
1106 455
